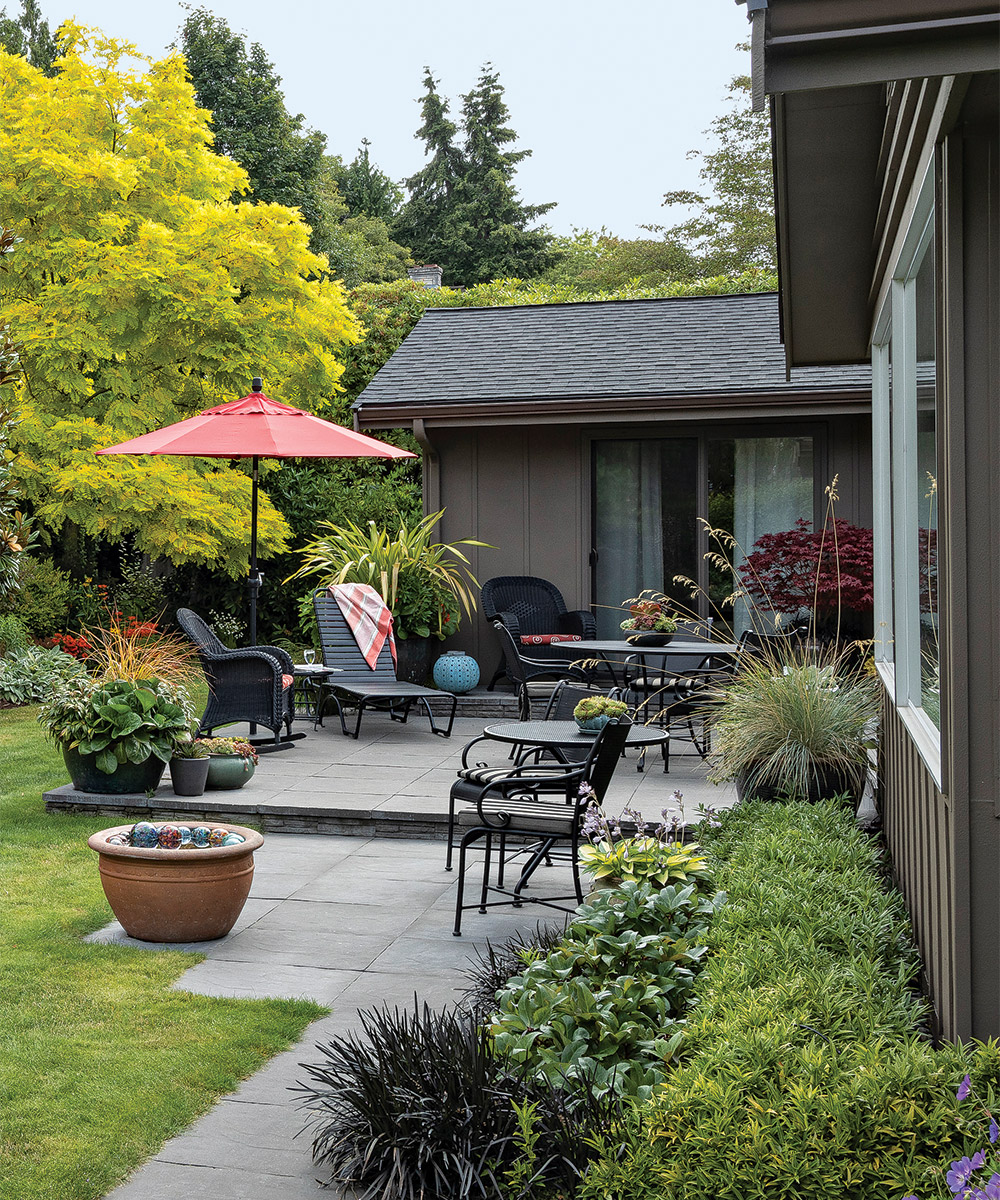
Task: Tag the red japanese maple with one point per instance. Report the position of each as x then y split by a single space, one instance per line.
780 574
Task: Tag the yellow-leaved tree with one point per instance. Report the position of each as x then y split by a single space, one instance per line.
140 295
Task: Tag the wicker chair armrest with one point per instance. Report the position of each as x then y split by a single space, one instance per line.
241 656
580 622
285 660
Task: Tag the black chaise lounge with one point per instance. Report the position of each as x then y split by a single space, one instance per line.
250 684
356 685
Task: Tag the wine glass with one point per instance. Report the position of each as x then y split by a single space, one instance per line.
310 657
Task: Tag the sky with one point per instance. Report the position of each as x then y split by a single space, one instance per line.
609 96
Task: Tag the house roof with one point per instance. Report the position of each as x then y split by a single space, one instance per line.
680 347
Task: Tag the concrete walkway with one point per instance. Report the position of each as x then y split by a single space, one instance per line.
352 924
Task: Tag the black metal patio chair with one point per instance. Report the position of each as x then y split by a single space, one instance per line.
542 808
250 684
357 685
534 678
529 606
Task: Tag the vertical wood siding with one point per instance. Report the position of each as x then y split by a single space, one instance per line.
920 837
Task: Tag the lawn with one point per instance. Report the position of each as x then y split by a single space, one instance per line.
101 1060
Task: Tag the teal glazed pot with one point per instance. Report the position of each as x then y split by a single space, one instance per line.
128 778
229 771
455 671
593 724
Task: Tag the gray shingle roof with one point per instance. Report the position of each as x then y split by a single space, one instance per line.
589 350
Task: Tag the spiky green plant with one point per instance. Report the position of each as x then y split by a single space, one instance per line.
785 725
423 582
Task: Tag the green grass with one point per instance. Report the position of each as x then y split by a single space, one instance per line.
100 1060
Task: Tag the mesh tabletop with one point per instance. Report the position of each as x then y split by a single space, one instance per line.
681 648
565 733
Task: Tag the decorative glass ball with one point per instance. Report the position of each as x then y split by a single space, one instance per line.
185 833
117 839
233 839
200 835
145 835
170 837
217 837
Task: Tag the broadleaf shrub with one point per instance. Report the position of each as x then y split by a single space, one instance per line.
606 1004
804 1074
31 675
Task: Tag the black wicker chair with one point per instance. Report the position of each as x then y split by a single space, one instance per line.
540 807
243 685
357 685
525 605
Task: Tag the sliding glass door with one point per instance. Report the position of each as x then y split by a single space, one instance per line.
649 494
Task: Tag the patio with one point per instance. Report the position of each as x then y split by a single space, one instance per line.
392 782
352 922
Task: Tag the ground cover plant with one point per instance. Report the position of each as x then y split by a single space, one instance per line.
804 1073
102 1061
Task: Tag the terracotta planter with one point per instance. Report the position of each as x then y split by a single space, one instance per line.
129 777
176 895
189 776
229 771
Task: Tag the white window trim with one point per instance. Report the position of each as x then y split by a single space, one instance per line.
896 494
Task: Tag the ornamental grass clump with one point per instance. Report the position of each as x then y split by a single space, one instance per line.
794 727
418 1105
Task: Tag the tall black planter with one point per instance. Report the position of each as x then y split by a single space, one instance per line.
414 656
829 782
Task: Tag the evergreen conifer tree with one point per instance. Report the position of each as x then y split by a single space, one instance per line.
366 189
29 37
423 222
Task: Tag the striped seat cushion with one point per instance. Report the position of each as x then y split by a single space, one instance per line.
525 815
481 776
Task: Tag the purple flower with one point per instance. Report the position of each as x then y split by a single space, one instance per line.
964 1088
994 1130
961 1170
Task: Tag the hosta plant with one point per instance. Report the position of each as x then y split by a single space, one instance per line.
652 854
118 720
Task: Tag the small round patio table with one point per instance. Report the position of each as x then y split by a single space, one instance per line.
547 735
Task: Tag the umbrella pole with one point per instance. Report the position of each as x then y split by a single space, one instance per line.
255 579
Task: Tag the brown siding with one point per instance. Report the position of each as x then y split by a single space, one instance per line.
920 838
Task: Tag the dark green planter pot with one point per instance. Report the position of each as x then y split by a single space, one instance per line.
229 771
414 656
130 777
189 775
830 783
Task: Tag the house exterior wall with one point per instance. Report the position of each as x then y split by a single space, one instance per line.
526 490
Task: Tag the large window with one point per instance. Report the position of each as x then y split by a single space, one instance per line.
904 357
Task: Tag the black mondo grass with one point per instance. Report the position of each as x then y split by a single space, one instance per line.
416 1105
493 966
405 1110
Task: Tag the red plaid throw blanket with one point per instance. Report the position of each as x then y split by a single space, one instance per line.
367 617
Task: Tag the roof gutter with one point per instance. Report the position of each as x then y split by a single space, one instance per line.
757 16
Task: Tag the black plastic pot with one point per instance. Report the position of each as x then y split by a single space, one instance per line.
414 656
189 775
129 777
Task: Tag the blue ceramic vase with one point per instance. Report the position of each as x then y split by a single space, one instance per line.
456 672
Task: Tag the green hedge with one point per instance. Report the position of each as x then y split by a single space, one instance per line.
804 1076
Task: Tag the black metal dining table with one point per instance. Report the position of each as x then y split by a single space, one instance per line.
551 735
614 652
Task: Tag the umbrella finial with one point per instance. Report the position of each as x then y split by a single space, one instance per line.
256 384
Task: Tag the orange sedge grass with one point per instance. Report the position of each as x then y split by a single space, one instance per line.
131 654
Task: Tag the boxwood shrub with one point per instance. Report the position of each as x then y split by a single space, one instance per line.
804 1073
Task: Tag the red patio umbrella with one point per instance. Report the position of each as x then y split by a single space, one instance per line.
257 427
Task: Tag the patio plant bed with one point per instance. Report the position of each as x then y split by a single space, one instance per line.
102 1061
776 1047
806 1071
